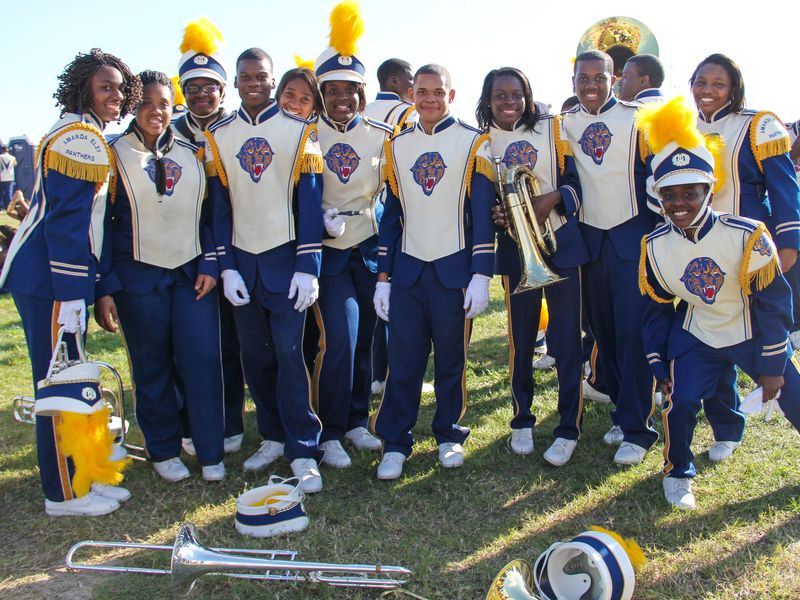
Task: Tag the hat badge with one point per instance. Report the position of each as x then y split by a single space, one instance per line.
200 60
681 160
88 394
346 60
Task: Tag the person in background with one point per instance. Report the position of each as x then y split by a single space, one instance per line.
7 165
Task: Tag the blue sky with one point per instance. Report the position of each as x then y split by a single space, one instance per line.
467 36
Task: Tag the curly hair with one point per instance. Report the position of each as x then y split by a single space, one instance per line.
157 78
74 94
483 112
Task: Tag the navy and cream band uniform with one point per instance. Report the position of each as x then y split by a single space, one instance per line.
389 108
160 244
649 95
265 183
733 309
436 232
544 150
54 257
614 216
353 155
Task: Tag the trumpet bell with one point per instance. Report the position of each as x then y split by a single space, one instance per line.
513 582
620 38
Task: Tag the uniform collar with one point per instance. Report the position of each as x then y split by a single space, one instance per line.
163 143
718 115
440 125
342 127
518 124
194 124
93 119
387 96
270 111
649 93
609 104
702 228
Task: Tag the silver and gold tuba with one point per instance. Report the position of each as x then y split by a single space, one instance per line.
620 38
518 187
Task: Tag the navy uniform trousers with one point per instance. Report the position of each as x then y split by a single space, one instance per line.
425 311
166 331
271 337
614 309
563 344
695 374
343 365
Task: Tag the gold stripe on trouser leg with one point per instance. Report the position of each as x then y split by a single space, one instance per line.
665 418
581 399
133 382
319 359
61 460
467 332
512 349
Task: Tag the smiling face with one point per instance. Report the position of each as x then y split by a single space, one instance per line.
593 81
255 82
107 96
683 202
340 99
203 96
154 113
432 97
507 101
712 88
297 98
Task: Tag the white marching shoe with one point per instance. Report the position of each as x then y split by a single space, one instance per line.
678 492
233 443
522 441
614 436
267 453
391 466
629 454
451 455
172 469
307 471
560 451
188 446
334 455
722 450
115 492
544 362
214 472
377 387
591 393
362 439
90 505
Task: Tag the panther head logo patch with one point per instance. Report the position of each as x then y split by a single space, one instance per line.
520 153
255 156
172 170
703 278
342 160
428 170
762 246
595 141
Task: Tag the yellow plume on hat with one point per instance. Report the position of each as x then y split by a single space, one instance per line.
632 549
303 63
180 99
347 26
671 121
201 36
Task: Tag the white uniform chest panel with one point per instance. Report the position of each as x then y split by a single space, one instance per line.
604 148
387 111
259 161
733 129
165 228
706 276
353 163
431 175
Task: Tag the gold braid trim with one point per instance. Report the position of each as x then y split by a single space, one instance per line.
767 149
73 168
306 163
563 149
200 154
762 276
112 187
215 168
644 149
645 289
388 168
485 168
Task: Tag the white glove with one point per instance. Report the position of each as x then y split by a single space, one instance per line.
334 224
476 300
381 299
306 287
72 315
234 288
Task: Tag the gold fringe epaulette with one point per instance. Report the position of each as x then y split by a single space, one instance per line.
763 276
388 168
307 163
782 145
644 150
563 149
645 289
214 167
73 168
485 168
87 441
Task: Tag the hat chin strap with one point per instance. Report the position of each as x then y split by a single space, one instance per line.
703 207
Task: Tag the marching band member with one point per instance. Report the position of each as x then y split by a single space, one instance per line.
202 79
265 184
298 93
436 241
641 80
521 135
352 148
162 276
734 304
52 263
614 215
755 164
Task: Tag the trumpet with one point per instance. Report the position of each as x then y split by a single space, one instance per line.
191 560
517 188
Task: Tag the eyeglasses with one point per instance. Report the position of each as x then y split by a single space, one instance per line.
209 88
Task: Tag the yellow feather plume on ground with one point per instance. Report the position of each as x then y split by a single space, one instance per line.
347 26
87 441
630 546
303 63
179 97
671 121
201 36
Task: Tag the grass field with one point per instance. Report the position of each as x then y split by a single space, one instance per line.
454 528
